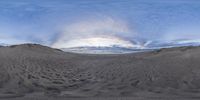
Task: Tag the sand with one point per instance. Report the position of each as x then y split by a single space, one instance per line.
36 72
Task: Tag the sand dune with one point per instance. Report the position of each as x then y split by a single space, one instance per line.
35 71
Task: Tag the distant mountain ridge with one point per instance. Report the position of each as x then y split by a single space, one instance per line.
174 43
115 49
104 50
146 46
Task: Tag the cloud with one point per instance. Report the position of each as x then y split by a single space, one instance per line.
105 26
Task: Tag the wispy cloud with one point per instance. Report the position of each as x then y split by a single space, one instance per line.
105 26
58 21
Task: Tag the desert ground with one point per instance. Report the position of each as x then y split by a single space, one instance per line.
36 72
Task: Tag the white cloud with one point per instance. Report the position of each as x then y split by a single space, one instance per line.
105 26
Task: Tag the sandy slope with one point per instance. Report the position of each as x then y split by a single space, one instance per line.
35 71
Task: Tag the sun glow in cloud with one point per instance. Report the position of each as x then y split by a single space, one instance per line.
102 32
98 42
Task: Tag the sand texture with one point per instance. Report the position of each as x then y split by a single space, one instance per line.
35 72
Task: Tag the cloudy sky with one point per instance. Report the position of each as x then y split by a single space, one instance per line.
60 22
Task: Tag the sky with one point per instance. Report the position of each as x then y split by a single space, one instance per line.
58 23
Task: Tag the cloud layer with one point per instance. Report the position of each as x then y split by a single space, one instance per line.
57 22
92 28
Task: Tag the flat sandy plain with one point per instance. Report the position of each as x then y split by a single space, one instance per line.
36 72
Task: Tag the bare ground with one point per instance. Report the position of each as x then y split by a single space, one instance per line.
37 72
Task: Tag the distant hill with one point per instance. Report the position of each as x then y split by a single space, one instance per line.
144 46
3 44
104 50
36 71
